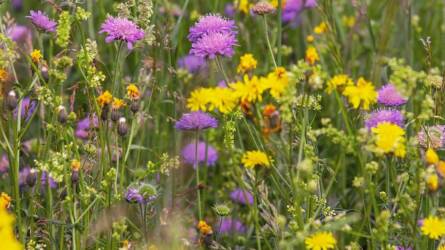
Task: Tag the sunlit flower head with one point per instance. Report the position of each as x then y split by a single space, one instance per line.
7 229
199 99
339 82
256 158
5 200
321 241
241 196
362 94
3 75
432 182
105 99
431 157
36 55
247 63
250 89
390 138
276 81
243 6
392 116
204 228
229 225
197 120
41 21
388 95
133 92
433 227
121 29
321 28
312 55
211 23
117 103
214 44
189 153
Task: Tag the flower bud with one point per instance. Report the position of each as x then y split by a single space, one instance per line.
263 8
134 107
74 177
44 72
11 100
104 113
62 115
31 178
122 127
115 115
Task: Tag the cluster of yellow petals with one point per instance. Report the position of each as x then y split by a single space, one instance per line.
7 237
133 92
363 93
252 159
36 55
247 63
390 138
105 98
204 228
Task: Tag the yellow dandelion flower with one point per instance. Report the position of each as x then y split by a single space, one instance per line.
339 81
7 237
5 200
204 228
250 90
3 75
133 92
243 6
199 99
390 138
36 55
431 156
312 55
441 247
117 103
433 227
310 39
277 82
223 99
255 158
321 28
75 165
363 93
247 63
432 181
321 241
440 168
105 98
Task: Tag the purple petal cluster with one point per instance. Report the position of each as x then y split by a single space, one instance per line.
241 196
27 109
84 126
122 29
389 96
133 196
229 225
42 21
141 194
46 179
390 115
197 120
19 33
4 164
188 154
432 137
213 36
293 8
191 63
403 248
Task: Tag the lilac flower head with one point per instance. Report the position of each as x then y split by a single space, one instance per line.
188 154
42 21
193 64
27 176
45 180
432 136
197 120
17 5
211 24
389 96
4 164
19 33
141 194
310 3
214 44
403 248
393 116
27 109
241 196
229 225
229 10
118 28
292 10
133 196
84 125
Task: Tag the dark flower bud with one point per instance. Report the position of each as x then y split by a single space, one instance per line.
44 72
104 113
122 127
31 178
75 177
263 8
11 100
115 115
62 114
134 107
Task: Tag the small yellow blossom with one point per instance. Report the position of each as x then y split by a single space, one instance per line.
363 93
321 28
440 168
105 98
255 158
199 99
223 99
250 90
441 247
432 181
431 156
133 92
339 81
310 39
312 55
117 103
36 55
247 63
349 21
204 228
75 165
5 200
3 75
274 3
277 82
433 227
243 6
7 237
390 138
321 241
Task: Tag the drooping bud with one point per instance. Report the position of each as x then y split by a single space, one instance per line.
122 127
62 115
11 100
134 107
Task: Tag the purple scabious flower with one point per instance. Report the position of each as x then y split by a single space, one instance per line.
191 63
211 24
229 225
84 125
229 10
310 3
389 96
197 120
27 176
432 136
292 10
42 21
133 196
27 109
141 194
385 115
17 5
4 164
45 180
19 33
188 154
241 196
122 29
214 44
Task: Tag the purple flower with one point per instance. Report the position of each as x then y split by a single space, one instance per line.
403 248
390 115
389 96
432 136
19 33
28 108
188 154
229 225
211 24
27 176
292 10
39 19
192 64
241 196
17 5
229 10
84 125
4 164
214 44
196 121
45 180
133 196
118 28
310 3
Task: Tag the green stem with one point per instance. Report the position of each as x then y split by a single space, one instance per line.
269 45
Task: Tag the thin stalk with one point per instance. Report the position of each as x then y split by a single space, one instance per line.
269 45
196 166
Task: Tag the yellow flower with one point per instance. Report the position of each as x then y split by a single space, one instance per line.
250 90
277 81
204 228
432 181
117 103
321 28
433 227
321 241
3 75
243 6
36 55
431 156
247 63
349 21
339 81
105 98
312 55
199 99
440 168
363 93
441 247
75 165
390 138
133 92
310 39
222 99
7 237
255 158
5 200
274 3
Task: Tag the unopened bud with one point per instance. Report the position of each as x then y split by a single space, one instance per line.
122 127
31 178
62 114
11 100
115 115
134 107
263 8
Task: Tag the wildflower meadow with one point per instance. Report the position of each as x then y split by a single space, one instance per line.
222 124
